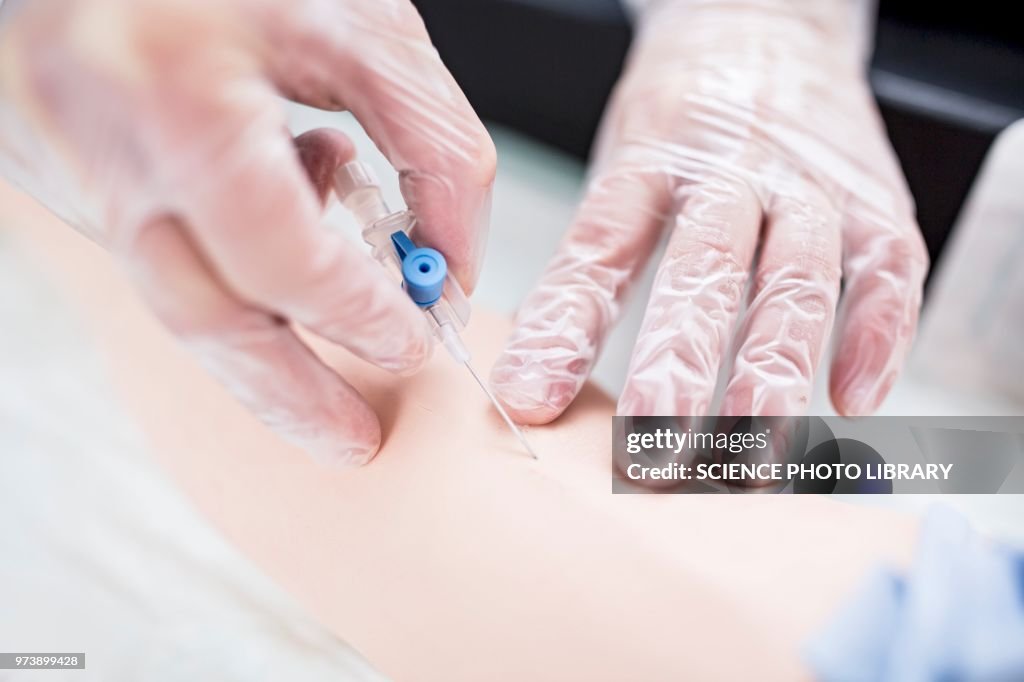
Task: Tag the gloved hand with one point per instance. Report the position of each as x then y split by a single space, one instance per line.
748 128
153 127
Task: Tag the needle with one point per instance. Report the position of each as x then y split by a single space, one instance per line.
503 413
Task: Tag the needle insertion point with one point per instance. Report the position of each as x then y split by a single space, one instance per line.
504 415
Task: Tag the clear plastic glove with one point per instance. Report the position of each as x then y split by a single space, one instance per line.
153 126
748 129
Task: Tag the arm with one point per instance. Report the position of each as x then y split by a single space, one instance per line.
453 556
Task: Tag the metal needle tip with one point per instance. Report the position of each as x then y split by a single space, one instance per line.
504 415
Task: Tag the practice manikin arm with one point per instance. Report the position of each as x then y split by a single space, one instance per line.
453 556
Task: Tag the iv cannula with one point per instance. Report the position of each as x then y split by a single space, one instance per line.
423 271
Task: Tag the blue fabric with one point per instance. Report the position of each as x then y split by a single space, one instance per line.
957 615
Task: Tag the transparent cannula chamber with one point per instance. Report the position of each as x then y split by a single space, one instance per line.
359 191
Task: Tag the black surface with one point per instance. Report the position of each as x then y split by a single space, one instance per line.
962 74
543 67
948 79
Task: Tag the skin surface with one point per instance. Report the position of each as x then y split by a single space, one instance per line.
453 556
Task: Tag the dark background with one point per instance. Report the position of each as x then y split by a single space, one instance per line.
948 79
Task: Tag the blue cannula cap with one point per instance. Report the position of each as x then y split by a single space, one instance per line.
423 270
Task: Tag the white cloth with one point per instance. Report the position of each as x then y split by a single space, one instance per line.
101 554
